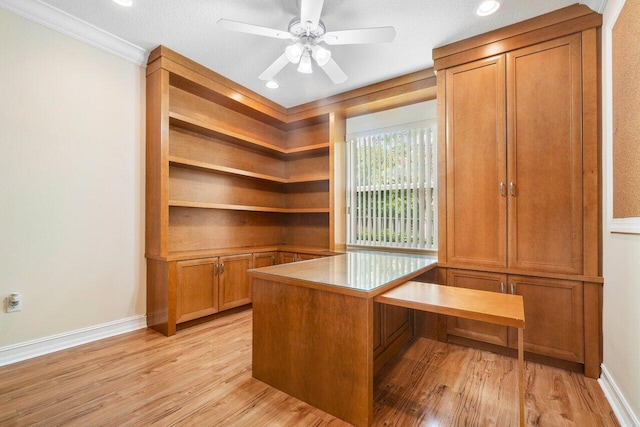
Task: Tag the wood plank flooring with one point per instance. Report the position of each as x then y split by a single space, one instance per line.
202 377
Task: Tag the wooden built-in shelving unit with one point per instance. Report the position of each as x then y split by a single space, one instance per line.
229 177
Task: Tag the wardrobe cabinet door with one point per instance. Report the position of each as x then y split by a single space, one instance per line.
476 163
544 149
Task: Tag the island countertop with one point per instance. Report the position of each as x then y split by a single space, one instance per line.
362 273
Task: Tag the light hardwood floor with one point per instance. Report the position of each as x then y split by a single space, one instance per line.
202 377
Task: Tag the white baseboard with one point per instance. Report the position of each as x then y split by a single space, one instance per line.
62 22
616 399
27 350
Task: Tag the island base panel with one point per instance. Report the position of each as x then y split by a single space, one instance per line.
316 346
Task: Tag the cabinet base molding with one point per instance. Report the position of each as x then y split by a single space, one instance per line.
512 352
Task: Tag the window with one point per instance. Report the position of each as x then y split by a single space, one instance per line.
391 192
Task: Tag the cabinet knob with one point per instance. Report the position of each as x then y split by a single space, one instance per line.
512 289
222 268
502 188
512 189
502 287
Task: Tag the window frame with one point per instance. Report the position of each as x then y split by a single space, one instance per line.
352 192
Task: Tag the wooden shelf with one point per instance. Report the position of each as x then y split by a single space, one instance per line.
198 126
202 205
194 164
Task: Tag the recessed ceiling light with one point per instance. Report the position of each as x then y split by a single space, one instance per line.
124 2
272 85
488 7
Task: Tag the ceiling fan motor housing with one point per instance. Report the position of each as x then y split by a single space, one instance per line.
299 29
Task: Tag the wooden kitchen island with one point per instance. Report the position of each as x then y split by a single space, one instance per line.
313 327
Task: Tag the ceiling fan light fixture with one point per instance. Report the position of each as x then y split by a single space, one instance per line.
321 55
488 7
305 64
293 52
126 3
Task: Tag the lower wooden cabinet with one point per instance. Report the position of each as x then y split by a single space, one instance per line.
392 329
234 282
182 290
197 288
206 286
389 322
264 259
286 257
472 329
553 311
304 257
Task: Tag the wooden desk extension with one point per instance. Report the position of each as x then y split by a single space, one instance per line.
492 307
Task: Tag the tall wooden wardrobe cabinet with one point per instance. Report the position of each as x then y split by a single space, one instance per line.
519 165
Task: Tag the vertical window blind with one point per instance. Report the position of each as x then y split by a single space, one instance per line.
391 192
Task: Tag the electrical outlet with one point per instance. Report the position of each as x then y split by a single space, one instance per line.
14 302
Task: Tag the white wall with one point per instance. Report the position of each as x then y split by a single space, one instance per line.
397 116
71 183
621 263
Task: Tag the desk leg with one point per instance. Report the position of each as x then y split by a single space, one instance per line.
521 374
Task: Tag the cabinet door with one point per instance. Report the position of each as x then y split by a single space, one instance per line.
472 329
235 284
303 257
545 156
286 257
396 320
264 259
553 317
476 163
197 290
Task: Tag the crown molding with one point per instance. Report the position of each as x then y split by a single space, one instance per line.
78 29
599 5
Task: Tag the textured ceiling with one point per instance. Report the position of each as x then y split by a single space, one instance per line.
189 27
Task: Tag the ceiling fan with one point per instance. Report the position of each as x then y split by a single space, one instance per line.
306 34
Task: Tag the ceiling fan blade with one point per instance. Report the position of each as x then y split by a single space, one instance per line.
334 72
274 68
310 11
253 29
360 36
